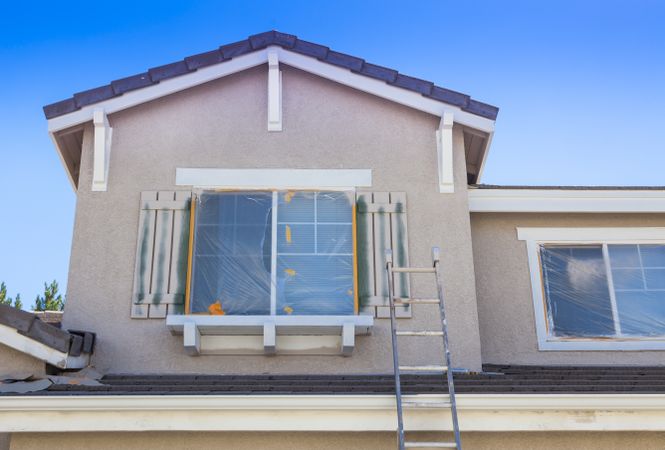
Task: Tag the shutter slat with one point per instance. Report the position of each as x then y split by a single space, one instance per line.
366 278
381 243
179 252
400 246
144 250
161 261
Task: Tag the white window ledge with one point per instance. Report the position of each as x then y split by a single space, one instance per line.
243 335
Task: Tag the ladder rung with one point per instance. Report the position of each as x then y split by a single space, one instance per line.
414 269
419 333
413 404
423 368
430 445
409 300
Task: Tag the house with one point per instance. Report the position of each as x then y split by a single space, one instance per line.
233 213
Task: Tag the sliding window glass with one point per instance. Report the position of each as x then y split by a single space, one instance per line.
604 290
274 253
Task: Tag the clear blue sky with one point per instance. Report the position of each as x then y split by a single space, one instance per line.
580 84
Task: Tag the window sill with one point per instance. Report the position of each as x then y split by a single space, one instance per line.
252 335
601 344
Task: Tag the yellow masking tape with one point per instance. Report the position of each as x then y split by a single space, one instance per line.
288 309
215 309
288 234
290 272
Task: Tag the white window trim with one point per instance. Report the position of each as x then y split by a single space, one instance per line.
535 237
270 179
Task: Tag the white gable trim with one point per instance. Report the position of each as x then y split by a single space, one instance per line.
244 62
12 338
567 200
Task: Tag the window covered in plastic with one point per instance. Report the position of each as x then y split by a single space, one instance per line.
604 290
267 253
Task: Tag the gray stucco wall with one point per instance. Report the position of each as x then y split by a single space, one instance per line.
15 362
505 306
224 124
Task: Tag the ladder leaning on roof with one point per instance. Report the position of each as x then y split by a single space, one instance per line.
445 369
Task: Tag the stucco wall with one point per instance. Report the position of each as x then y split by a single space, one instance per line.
15 362
224 124
333 441
505 306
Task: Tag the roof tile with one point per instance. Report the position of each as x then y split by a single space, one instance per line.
236 49
448 96
168 71
482 109
94 95
379 72
412 83
204 59
310 49
344 60
130 83
262 40
59 108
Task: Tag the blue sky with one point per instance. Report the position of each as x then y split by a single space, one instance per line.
580 84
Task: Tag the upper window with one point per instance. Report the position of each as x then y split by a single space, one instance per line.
607 294
274 253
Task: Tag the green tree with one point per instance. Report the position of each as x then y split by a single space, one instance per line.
18 304
4 300
51 300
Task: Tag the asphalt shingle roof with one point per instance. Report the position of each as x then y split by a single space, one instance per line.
495 379
258 42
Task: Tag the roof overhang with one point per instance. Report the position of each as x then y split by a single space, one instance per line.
65 130
477 412
638 200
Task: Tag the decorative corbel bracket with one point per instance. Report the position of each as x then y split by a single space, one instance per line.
274 93
102 150
444 144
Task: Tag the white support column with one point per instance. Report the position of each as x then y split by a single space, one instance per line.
274 93
444 144
348 338
269 338
191 337
102 150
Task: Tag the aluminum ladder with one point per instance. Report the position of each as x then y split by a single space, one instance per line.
445 369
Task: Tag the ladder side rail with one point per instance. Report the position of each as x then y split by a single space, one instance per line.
444 323
393 334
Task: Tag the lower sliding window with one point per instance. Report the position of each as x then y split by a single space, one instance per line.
604 290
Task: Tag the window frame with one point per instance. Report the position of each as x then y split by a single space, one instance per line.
535 237
273 258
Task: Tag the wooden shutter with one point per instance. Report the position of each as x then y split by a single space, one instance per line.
161 254
381 223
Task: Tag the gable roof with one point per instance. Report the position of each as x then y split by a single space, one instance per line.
257 42
25 332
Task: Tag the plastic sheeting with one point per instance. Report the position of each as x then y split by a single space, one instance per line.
234 255
604 290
